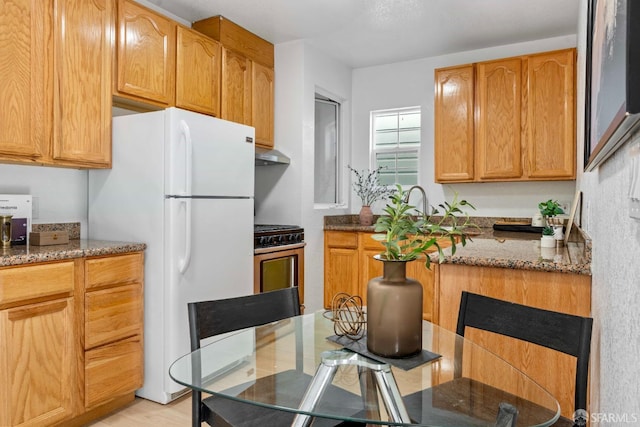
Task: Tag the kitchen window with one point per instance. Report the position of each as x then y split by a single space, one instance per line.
395 144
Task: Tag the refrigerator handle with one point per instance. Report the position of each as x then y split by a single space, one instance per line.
186 259
184 127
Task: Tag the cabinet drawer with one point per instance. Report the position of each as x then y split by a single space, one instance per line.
35 281
112 314
113 370
113 270
340 239
367 242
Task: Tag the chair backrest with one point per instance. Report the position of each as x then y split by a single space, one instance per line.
566 333
209 318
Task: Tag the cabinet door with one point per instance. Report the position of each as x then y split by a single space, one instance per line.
340 264
551 115
499 134
197 72
146 54
262 104
24 91
82 76
454 121
236 87
38 358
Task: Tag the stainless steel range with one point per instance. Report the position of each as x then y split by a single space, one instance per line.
278 258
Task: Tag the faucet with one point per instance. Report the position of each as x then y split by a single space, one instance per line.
424 198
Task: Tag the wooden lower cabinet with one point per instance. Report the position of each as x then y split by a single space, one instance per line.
568 293
70 339
349 265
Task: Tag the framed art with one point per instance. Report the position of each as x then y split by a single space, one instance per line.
612 101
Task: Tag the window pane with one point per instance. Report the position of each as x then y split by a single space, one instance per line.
409 120
326 152
408 178
386 138
409 136
384 122
408 163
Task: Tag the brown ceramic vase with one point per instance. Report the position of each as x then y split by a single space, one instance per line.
394 312
366 215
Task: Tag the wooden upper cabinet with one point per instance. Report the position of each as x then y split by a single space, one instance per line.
83 76
262 104
499 103
247 76
198 64
524 127
236 87
551 115
24 91
146 55
454 124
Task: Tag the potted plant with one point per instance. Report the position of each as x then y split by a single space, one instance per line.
394 302
549 210
368 188
547 240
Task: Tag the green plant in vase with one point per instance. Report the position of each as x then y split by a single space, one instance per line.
394 301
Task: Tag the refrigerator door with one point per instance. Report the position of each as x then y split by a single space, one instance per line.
207 156
221 264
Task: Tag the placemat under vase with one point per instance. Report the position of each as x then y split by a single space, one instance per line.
405 363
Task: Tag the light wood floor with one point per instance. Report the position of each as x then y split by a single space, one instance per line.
145 413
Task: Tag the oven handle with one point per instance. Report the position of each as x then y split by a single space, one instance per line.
272 249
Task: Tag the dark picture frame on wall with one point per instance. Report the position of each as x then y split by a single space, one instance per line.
612 93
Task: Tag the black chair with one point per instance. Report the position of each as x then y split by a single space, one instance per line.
209 318
566 333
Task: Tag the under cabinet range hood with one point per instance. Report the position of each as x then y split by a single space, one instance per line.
266 157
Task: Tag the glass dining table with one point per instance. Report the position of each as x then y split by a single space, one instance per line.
299 365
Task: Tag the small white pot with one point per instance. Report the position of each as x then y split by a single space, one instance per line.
547 242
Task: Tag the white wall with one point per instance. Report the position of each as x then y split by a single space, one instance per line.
284 194
615 371
61 193
410 83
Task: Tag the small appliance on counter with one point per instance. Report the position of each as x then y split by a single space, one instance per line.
19 207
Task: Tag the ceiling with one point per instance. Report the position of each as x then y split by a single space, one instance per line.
363 33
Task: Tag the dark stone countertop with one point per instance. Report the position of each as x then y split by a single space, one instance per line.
76 248
503 249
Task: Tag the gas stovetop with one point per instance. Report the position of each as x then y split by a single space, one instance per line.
270 235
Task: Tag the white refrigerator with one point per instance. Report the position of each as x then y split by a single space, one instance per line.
182 183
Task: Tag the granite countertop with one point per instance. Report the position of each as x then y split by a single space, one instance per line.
76 248
491 248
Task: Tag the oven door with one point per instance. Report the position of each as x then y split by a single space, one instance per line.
279 267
